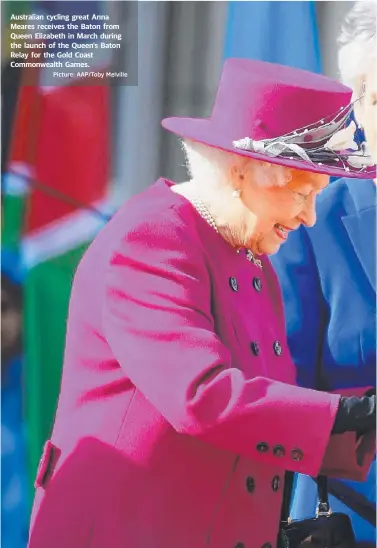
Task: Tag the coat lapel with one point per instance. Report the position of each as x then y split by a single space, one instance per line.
361 229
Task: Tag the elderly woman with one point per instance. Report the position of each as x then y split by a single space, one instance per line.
179 412
328 276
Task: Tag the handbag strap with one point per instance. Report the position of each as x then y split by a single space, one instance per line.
287 496
323 507
323 496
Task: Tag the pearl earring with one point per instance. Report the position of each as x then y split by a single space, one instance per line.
236 193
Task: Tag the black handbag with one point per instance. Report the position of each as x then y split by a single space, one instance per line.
325 530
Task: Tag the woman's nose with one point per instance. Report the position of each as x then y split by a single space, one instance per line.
308 215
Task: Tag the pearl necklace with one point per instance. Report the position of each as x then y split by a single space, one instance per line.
204 212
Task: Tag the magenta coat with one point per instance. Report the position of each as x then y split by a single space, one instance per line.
178 411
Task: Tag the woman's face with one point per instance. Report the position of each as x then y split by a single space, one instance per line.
277 210
366 108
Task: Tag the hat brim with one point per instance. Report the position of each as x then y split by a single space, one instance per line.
204 131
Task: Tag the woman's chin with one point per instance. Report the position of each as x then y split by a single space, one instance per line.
269 247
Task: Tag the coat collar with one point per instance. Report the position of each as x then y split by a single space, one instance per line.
360 224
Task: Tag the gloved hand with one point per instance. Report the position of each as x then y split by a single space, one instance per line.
355 415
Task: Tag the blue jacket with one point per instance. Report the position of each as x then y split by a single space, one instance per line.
328 279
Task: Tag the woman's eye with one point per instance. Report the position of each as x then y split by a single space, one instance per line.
300 195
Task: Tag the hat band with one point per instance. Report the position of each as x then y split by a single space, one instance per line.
330 140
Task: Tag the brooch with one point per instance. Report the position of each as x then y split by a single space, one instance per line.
250 257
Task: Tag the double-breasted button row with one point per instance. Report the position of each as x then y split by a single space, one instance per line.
257 283
256 350
250 483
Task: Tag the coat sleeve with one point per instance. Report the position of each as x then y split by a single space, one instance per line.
306 321
158 323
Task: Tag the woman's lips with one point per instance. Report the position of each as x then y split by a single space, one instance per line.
281 231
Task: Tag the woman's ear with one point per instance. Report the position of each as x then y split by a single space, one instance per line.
237 175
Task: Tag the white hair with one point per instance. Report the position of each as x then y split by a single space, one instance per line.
357 41
210 164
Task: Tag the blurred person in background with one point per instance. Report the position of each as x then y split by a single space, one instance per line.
328 277
179 410
14 495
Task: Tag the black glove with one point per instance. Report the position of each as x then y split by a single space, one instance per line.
355 415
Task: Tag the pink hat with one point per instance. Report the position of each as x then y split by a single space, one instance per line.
282 115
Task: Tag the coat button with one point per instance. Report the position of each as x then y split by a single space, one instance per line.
257 284
275 483
239 545
262 447
277 348
250 484
255 348
267 545
297 454
233 283
278 451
